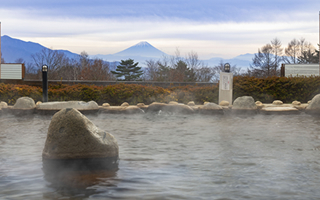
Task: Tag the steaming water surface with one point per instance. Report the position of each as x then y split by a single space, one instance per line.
173 157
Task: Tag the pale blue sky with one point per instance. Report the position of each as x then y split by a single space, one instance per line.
211 28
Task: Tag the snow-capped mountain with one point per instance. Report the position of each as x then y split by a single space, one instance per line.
141 49
139 53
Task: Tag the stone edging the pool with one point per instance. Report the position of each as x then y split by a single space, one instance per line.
241 105
266 109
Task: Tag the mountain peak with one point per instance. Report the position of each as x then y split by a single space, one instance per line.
143 44
143 49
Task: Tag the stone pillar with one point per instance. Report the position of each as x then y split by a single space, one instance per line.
225 87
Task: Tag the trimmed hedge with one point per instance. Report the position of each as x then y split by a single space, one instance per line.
286 89
265 90
10 93
112 94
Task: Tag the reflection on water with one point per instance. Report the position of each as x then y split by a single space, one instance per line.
172 157
77 183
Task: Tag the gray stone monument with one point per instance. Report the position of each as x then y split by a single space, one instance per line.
226 85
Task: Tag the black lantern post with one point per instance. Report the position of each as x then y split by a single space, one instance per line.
45 83
227 67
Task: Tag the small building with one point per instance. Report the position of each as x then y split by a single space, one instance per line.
12 71
289 70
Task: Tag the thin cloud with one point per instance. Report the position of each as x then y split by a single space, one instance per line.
201 10
226 27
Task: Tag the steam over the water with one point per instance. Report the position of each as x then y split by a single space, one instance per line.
166 156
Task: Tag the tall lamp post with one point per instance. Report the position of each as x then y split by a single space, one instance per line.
45 83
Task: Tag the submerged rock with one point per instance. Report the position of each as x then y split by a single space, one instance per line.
73 140
24 103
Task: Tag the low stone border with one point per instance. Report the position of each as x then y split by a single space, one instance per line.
279 110
121 110
266 109
242 106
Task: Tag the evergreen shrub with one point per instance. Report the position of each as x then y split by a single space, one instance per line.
265 90
286 89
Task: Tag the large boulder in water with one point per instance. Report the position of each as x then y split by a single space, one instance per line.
314 105
244 105
73 140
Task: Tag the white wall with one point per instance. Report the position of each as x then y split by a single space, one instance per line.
301 69
11 71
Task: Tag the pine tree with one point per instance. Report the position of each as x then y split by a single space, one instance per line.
129 70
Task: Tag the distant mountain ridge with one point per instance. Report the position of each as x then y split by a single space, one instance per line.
13 49
243 61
